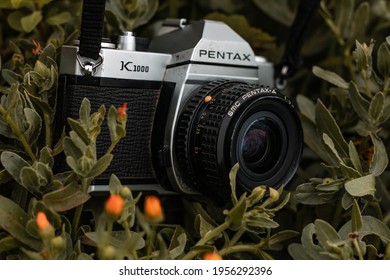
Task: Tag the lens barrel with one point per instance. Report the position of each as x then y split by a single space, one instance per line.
225 122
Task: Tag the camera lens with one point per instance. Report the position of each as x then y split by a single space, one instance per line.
225 122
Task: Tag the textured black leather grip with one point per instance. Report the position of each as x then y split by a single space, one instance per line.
133 155
92 23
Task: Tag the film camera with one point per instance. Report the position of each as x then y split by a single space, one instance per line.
199 101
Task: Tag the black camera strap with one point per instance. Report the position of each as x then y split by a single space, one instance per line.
291 58
91 34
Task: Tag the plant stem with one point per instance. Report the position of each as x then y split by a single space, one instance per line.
236 237
48 138
79 210
75 222
150 240
366 85
128 236
357 247
208 236
239 248
112 146
243 248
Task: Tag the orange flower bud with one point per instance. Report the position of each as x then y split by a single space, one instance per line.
42 221
122 110
38 48
114 205
152 208
211 256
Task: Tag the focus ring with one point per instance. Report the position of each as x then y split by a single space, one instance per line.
198 130
182 136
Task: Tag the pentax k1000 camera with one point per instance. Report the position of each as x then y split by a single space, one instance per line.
199 101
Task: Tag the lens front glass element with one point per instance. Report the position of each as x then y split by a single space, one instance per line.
260 143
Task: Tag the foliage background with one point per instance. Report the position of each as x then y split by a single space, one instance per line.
338 205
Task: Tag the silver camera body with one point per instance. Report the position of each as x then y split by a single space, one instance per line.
178 64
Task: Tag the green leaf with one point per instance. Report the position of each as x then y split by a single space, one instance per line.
349 172
71 149
354 156
31 21
329 143
129 15
46 157
383 61
371 226
6 4
360 20
344 11
313 250
115 184
14 20
325 233
376 109
13 220
360 104
356 217
66 198
308 194
232 177
16 4
44 171
72 163
13 163
178 243
9 243
327 124
80 130
34 125
59 19
297 252
257 222
347 201
330 185
11 77
306 107
330 77
43 2
380 159
100 166
85 165
42 70
30 179
361 186
203 227
6 130
85 112
48 55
